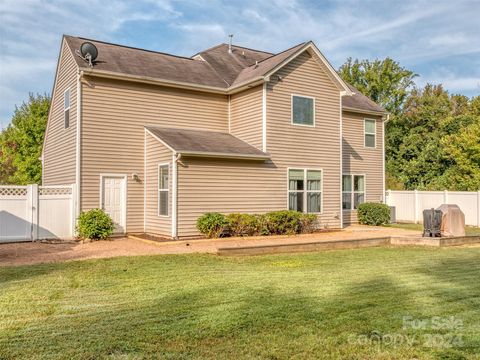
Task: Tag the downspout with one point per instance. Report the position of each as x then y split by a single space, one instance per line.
144 181
175 158
77 145
264 117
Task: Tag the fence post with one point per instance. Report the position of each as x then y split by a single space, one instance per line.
478 208
73 209
32 210
388 197
445 196
415 206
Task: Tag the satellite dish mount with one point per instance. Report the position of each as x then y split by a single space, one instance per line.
88 52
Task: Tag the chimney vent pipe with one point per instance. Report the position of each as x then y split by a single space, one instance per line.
230 43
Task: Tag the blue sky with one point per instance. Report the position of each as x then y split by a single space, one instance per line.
439 40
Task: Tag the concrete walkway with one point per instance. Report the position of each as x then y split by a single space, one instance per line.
34 253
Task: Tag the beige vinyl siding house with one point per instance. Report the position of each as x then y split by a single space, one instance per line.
59 151
113 116
307 147
359 159
225 128
156 155
246 115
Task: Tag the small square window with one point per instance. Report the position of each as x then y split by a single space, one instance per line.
303 112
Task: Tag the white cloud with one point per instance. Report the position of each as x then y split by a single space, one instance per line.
421 35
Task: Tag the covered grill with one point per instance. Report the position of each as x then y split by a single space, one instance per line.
447 220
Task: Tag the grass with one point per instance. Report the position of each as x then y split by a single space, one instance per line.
335 304
469 230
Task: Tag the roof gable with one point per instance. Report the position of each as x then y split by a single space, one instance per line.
230 65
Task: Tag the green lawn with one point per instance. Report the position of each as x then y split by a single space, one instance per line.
469 230
334 304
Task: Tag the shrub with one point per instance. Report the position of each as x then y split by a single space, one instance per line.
94 224
284 222
373 214
262 225
309 223
212 224
242 224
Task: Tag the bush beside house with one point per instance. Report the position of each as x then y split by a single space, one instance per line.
373 214
284 222
94 224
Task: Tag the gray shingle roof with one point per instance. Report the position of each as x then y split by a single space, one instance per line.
227 65
138 62
220 70
360 102
206 143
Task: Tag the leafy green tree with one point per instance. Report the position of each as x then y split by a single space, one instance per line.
21 142
435 142
384 81
462 150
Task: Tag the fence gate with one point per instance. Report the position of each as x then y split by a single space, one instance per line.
33 212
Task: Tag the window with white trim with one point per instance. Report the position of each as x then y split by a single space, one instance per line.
370 132
163 190
353 191
303 110
66 108
305 190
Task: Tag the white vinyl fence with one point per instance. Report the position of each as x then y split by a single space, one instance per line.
409 205
33 212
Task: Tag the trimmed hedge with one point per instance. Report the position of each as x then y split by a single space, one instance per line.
284 222
212 224
373 214
94 224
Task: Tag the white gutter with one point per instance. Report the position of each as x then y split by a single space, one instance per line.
341 162
369 112
145 180
264 117
224 155
151 80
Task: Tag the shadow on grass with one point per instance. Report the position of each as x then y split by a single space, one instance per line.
221 322
217 317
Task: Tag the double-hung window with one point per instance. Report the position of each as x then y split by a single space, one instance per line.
163 190
353 189
305 190
303 110
370 133
66 108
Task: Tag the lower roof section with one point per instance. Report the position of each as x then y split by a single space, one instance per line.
204 143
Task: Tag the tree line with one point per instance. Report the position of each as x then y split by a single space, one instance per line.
432 140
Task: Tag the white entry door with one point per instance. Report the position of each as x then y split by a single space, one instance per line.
113 200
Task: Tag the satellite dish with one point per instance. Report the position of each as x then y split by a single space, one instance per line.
88 52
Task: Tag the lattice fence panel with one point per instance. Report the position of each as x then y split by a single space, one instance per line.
55 191
13 191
